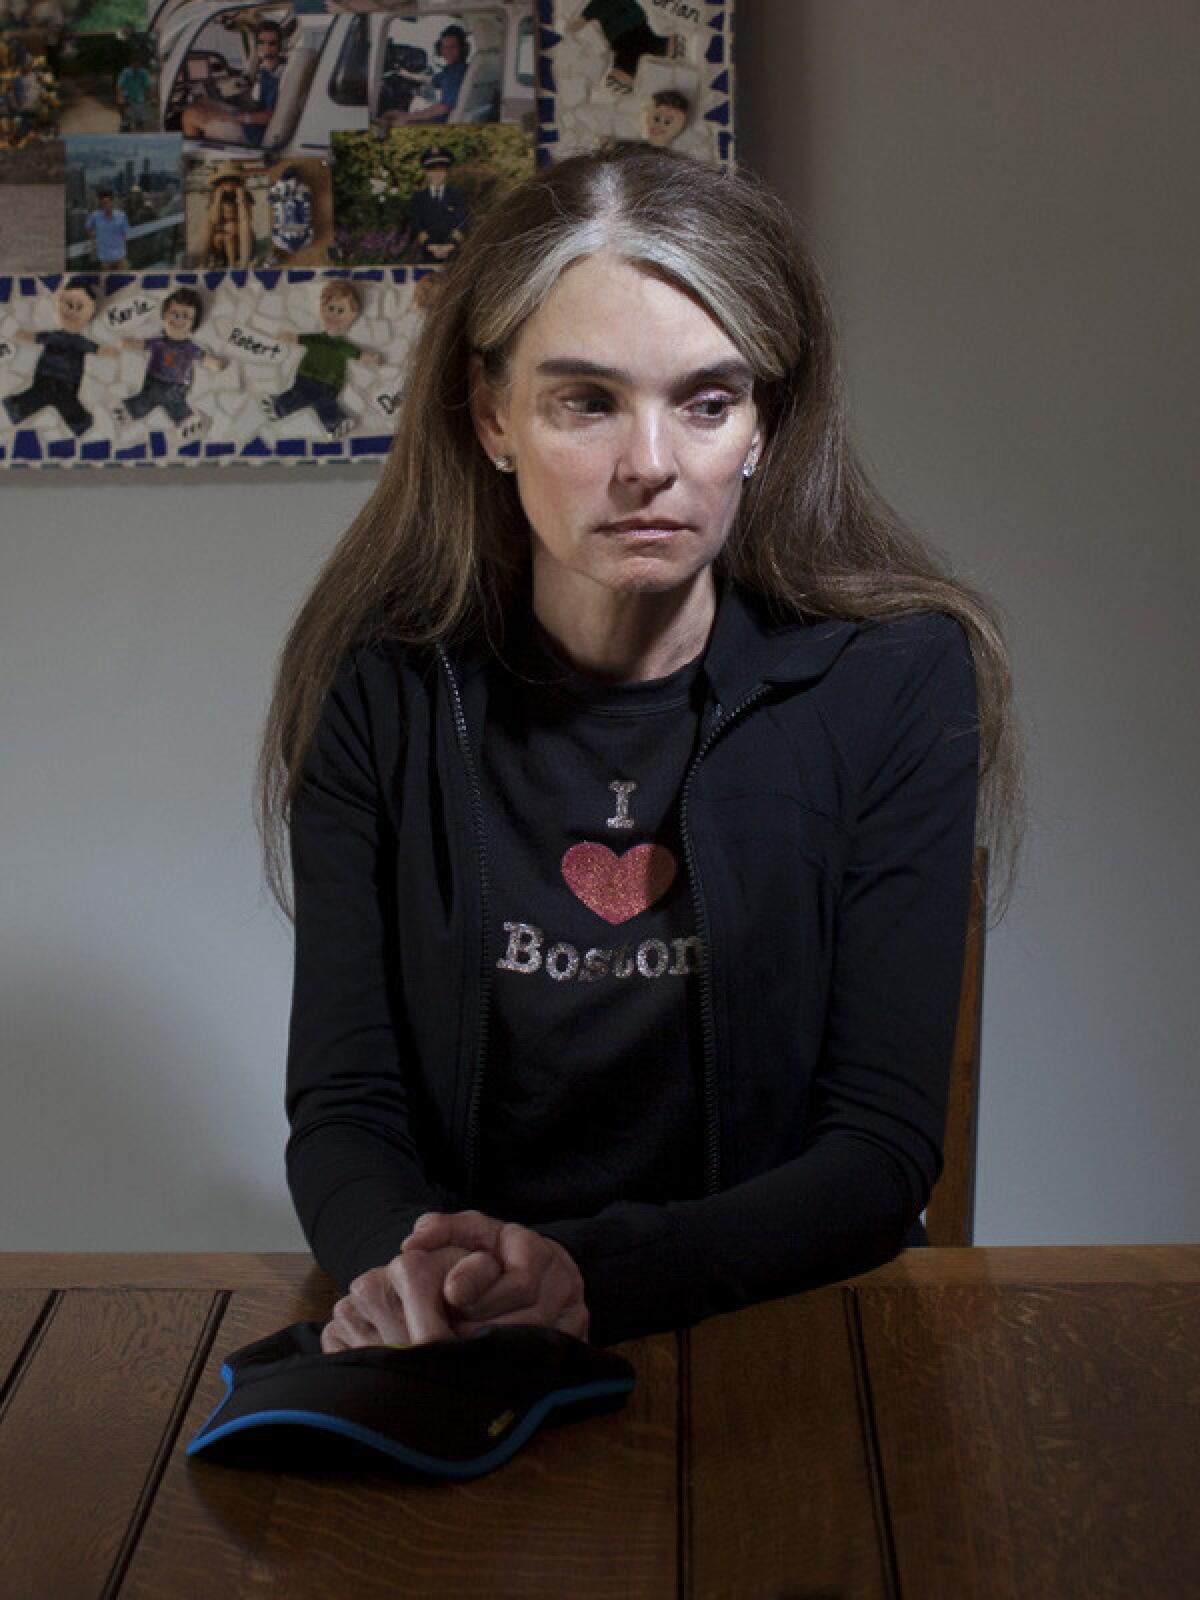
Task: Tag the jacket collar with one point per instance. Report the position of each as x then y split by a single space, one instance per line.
749 645
752 644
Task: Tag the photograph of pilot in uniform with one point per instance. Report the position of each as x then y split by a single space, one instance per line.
437 213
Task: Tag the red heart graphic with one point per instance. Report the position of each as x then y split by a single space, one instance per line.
618 887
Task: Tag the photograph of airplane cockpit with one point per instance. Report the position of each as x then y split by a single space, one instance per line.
472 63
238 79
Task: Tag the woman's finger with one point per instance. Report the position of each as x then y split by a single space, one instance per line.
417 1278
467 1230
471 1279
528 1279
353 1326
375 1298
331 1340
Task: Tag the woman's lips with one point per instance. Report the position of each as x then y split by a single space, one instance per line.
645 528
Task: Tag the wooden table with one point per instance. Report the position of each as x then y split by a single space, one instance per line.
992 1423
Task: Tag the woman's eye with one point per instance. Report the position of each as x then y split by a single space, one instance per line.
588 405
712 407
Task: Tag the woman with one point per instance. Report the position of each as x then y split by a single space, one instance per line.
630 754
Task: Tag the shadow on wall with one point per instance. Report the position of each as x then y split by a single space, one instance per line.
115 1137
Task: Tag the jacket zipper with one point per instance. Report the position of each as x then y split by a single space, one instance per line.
708 1026
485 993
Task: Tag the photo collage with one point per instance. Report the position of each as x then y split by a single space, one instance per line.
223 221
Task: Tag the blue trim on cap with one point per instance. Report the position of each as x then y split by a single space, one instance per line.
227 1374
437 1465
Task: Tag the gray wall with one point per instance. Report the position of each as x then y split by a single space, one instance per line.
1003 201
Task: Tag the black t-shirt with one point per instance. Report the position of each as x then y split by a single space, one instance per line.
63 355
590 1085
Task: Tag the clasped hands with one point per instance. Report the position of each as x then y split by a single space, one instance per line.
456 1271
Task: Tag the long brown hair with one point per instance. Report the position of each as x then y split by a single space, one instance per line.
441 545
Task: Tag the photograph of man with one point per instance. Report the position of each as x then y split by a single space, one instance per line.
108 229
252 113
453 49
135 91
438 213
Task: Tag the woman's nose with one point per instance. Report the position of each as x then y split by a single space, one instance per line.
647 454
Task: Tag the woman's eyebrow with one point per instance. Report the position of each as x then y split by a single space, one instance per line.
733 371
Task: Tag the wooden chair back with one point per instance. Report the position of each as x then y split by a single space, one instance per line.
950 1215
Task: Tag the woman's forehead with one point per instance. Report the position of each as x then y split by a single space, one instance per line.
613 312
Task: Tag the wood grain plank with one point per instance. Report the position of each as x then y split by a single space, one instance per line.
19 1313
298 1271
594 1500
1132 1263
781 1501
1039 1440
62 1269
1017 1264
81 1432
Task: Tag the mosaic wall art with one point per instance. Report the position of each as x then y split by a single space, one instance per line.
223 220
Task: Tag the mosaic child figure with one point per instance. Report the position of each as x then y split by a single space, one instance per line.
322 370
174 357
629 33
664 117
59 371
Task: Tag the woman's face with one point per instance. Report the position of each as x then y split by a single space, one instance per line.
629 414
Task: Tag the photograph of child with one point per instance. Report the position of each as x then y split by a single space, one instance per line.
321 374
60 366
108 83
173 357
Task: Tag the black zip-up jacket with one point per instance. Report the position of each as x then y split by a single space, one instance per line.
828 820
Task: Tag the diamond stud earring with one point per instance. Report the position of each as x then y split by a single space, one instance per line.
503 464
749 467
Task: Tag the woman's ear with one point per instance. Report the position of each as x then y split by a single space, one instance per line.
486 411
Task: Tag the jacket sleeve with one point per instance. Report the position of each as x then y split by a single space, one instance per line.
354 1172
872 1150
